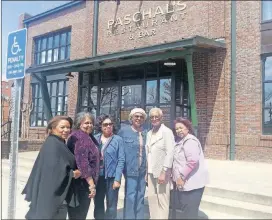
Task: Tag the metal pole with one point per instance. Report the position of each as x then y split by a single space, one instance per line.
95 27
13 161
233 81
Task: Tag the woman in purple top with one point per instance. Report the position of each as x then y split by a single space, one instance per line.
84 146
189 171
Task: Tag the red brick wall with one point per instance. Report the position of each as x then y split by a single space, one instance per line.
205 18
212 70
80 19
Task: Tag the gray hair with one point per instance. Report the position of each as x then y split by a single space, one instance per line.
80 117
158 110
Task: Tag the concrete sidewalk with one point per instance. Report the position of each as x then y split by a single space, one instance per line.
241 176
234 179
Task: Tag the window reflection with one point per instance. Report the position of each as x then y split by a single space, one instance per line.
268 94
268 68
165 90
131 95
109 101
151 91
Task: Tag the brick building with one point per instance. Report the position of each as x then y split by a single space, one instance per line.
5 100
107 57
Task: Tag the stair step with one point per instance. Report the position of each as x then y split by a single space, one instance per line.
234 207
240 196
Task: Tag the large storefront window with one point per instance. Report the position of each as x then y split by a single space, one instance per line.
267 95
122 89
266 10
58 97
52 47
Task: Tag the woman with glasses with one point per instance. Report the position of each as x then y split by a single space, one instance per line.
112 160
190 174
160 144
135 167
85 148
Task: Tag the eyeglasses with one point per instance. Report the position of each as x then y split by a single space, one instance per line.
107 124
138 116
154 117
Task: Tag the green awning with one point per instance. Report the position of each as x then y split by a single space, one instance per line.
130 57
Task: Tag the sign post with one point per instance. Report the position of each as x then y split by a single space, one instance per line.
15 70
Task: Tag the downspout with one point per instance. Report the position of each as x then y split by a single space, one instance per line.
233 81
95 27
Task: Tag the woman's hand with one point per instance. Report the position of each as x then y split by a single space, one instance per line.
180 183
161 179
77 174
92 191
116 185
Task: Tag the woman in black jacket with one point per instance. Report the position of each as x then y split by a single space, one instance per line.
50 185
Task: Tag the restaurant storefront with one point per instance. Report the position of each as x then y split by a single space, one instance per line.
105 57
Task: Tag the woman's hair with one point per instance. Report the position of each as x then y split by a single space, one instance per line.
158 110
53 123
186 123
80 117
100 120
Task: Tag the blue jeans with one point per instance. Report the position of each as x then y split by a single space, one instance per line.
134 197
104 188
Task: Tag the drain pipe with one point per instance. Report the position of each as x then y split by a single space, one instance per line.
233 81
95 27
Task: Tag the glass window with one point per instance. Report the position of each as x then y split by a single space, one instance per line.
84 96
43 57
49 56
56 40
268 68
50 42
58 101
151 91
165 90
266 10
55 45
63 39
109 102
43 43
62 53
131 95
267 95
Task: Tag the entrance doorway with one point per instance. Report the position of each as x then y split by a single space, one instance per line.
121 89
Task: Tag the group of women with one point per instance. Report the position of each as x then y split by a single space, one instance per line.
74 166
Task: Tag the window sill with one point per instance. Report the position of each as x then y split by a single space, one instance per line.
267 137
266 21
36 127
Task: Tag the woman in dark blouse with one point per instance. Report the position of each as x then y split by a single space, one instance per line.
84 146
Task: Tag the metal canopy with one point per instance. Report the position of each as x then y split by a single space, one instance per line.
136 56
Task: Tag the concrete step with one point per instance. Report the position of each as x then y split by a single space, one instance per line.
239 196
235 207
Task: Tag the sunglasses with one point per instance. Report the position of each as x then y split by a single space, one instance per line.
107 124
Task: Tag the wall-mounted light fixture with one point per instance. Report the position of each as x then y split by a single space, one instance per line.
69 75
169 63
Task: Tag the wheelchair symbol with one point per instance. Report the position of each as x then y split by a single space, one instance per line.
15 48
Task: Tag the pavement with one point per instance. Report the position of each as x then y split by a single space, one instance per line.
238 176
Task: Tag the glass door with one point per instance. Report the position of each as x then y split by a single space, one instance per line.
131 97
109 102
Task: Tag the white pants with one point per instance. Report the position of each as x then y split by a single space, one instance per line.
158 198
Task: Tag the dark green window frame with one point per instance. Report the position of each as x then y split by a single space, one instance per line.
38 117
52 47
267 94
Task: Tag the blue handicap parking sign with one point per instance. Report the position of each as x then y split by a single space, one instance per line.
16 54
